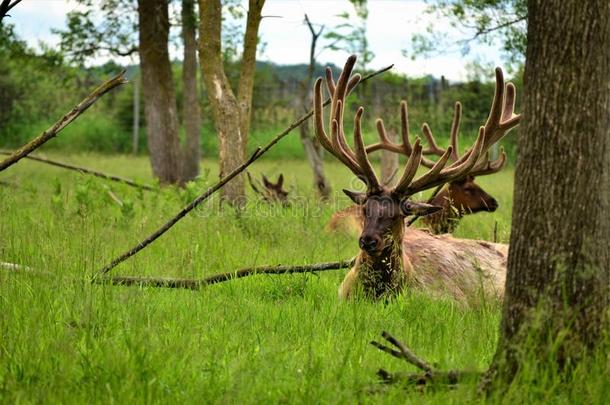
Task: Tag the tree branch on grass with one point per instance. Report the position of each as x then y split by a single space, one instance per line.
429 376
64 121
257 154
196 284
81 169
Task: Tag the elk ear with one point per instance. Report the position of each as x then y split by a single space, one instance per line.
418 208
358 198
280 181
266 182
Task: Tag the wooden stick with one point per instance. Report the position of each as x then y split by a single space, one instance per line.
430 375
81 169
195 284
451 377
258 153
407 354
64 121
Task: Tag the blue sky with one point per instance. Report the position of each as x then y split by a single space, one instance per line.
391 24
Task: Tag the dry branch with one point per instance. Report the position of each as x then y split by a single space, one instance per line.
64 121
195 284
6 6
85 170
258 153
429 375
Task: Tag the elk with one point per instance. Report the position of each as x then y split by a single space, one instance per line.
390 259
270 192
457 198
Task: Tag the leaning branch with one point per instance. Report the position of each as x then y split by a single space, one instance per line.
257 154
6 6
84 170
64 121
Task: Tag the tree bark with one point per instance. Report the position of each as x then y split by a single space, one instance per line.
313 151
191 152
159 94
229 113
248 68
135 135
559 261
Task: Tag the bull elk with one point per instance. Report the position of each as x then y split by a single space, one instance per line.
390 259
457 198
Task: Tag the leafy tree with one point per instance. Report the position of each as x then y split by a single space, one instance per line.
351 37
115 34
483 21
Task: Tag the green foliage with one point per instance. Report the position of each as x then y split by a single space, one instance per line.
350 37
500 22
107 27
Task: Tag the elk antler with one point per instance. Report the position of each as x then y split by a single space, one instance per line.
357 160
500 121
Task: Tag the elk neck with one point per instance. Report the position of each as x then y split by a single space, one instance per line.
447 219
384 275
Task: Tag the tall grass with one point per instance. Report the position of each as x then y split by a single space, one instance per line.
263 339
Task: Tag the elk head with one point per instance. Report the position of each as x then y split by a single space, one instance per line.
385 208
466 196
270 192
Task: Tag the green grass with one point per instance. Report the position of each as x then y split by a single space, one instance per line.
263 339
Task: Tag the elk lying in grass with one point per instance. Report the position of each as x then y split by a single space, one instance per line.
270 192
390 259
457 198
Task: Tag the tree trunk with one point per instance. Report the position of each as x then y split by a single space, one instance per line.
313 151
159 94
225 109
559 261
135 136
191 112
248 68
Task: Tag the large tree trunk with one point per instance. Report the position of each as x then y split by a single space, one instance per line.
191 111
225 108
559 261
159 94
313 151
248 68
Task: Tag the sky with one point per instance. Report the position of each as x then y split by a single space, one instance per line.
390 25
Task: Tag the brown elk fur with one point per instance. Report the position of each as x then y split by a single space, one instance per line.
462 269
458 198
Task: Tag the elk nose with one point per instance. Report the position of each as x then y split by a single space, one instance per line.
368 243
493 205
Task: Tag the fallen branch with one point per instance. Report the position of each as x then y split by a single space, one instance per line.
429 375
195 284
85 170
257 154
64 121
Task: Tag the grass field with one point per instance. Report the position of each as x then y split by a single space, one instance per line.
263 339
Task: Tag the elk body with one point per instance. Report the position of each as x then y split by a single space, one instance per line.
392 258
